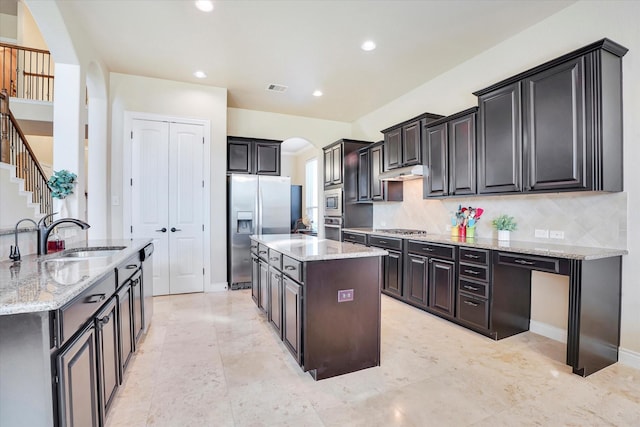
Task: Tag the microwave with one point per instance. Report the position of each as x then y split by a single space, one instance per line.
333 202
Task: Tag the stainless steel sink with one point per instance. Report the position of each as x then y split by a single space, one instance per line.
86 253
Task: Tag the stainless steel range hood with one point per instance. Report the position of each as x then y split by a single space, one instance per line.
404 174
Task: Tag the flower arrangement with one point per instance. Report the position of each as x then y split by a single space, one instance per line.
61 183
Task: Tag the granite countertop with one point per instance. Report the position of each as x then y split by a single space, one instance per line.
310 248
530 248
43 283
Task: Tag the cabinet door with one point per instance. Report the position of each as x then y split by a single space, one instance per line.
554 128
417 280
267 158
462 155
393 273
275 300
263 295
125 327
292 317
255 279
336 164
376 186
364 176
108 354
442 286
239 156
500 141
437 160
411 143
328 167
136 306
78 381
393 149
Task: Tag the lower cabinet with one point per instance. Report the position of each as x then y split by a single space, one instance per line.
125 322
474 287
255 278
77 365
275 300
392 274
136 306
263 294
107 334
416 283
292 317
442 289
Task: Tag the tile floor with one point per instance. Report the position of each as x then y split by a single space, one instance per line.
213 360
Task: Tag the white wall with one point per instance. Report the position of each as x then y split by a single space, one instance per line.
571 28
170 98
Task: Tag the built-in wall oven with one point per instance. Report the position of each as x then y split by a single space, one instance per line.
333 228
333 214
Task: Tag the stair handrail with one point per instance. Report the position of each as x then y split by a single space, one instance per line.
13 143
36 80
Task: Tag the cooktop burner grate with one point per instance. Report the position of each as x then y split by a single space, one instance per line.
401 231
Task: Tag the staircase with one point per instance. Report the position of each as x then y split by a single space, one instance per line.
15 202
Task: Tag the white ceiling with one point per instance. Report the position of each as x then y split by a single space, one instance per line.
244 45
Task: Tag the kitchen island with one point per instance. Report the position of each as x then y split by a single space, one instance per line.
322 298
69 322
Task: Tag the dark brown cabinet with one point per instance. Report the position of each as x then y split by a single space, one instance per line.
442 288
417 280
403 142
107 335
263 295
255 278
275 300
392 264
292 317
333 165
450 155
364 175
125 321
370 187
557 127
253 156
474 284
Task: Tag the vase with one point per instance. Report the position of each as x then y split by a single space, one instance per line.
503 235
454 231
471 232
462 232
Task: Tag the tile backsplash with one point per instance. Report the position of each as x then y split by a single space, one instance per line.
586 218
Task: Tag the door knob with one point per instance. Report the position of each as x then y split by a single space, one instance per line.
163 230
173 229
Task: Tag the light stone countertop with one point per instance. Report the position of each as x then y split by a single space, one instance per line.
310 248
530 248
43 283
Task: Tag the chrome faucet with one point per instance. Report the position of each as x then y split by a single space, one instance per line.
44 230
14 251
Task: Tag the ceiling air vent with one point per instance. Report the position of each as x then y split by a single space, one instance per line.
276 88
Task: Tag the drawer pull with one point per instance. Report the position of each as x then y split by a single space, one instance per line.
523 262
427 249
475 273
289 267
471 288
132 266
104 321
135 282
472 304
471 256
274 258
262 252
92 299
384 242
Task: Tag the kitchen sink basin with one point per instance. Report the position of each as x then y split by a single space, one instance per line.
87 253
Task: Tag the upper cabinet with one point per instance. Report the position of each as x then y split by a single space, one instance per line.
370 187
403 142
557 127
341 166
253 156
449 149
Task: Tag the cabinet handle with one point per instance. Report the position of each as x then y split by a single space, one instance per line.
104 321
135 282
471 288
163 230
132 266
262 252
384 242
523 262
173 229
471 256
472 304
274 258
92 299
427 249
475 273
289 267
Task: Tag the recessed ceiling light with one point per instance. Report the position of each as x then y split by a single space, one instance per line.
317 93
200 74
368 45
204 5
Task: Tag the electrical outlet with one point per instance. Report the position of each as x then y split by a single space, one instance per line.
543 234
556 234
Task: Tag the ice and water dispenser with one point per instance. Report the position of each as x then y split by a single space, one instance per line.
244 223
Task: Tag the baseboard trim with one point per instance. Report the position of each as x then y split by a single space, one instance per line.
549 331
629 358
216 287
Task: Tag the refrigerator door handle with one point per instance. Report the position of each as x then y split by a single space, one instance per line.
259 209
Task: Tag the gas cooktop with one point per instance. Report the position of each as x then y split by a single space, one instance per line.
401 231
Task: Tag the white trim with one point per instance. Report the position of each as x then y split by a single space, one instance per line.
216 287
549 331
129 116
629 358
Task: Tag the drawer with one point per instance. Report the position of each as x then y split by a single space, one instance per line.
475 272
475 256
348 236
432 250
474 288
254 247
292 268
263 251
385 242
77 312
552 265
474 311
127 269
275 259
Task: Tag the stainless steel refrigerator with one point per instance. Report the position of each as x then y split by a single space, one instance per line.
256 204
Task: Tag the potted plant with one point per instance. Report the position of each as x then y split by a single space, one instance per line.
504 224
62 183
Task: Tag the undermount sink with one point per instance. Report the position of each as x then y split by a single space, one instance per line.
85 253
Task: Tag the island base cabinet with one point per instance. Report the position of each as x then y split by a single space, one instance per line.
78 381
292 317
275 301
125 322
108 353
341 316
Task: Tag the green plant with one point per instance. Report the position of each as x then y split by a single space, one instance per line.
505 222
61 183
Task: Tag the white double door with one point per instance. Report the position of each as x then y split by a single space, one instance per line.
167 201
